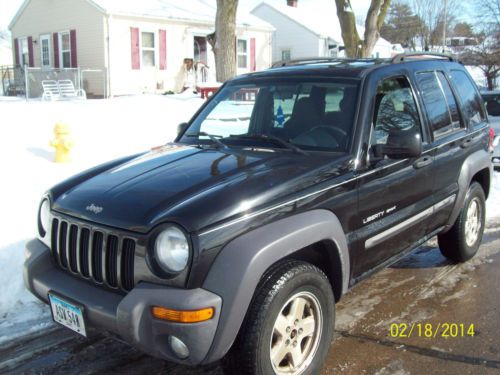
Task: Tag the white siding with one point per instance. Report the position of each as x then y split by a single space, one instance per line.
289 34
52 16
125 80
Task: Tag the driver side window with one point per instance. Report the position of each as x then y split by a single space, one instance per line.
395 110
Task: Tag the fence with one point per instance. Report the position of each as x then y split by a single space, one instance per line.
27 82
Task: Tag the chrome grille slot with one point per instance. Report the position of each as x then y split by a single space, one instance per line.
63 242
97 248
127 264
111 260
84 252
72 248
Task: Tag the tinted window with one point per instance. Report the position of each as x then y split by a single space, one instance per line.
492 103
439 102
471 103
395 110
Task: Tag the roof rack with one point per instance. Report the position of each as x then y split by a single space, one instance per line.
320 60
430 55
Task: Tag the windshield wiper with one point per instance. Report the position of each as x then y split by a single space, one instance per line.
268 137
212 137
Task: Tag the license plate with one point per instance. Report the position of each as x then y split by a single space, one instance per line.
67 314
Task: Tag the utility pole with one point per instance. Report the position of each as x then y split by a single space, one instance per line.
444 23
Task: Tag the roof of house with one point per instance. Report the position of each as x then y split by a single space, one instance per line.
200 11
324 24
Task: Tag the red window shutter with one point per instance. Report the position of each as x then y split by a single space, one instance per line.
134 36
253 60
163 49
31 58
55 38
16 51
74 57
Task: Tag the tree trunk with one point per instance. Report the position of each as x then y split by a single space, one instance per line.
350 34
224 45
354 46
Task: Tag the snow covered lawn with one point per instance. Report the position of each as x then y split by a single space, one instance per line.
102 130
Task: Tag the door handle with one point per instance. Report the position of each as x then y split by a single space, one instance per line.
422 162
466 143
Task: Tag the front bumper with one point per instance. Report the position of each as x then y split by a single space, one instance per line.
128 315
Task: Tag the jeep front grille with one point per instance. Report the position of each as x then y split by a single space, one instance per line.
99 255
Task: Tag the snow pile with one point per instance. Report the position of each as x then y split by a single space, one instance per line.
102 130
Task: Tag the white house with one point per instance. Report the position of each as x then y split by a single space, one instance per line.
302 31
141 44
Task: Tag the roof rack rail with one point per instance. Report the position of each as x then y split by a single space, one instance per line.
319 60
431 55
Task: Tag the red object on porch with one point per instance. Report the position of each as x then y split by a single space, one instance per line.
134 37
163 49
253 60
16 51
207 91
31 58
74 60
55 38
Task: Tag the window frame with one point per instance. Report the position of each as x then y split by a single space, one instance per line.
63 51
149 49
462 126
424 131
482 109
246 54
49 40
21 54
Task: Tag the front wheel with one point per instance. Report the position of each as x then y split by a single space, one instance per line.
462 241
289 326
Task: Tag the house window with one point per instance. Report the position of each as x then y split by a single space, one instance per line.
242 54
45 51
65 52
148 48
24 54
286 55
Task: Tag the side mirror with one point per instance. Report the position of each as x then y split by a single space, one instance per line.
181 128
400 145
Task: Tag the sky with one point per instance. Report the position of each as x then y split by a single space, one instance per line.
8 8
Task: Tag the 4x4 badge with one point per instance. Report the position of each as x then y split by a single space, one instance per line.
93 208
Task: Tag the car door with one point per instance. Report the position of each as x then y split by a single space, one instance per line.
394 195
453 115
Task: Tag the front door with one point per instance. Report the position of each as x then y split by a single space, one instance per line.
395 196
45 57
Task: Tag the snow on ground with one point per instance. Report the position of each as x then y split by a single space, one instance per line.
102 130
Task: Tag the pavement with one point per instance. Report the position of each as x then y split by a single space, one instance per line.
423 293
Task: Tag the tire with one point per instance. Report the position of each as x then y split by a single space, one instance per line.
462 241
275 322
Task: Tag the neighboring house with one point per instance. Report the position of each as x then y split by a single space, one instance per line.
142 44
307 32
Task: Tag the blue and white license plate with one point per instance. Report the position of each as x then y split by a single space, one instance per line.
67 314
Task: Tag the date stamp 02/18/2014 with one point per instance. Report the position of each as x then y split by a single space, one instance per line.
430 330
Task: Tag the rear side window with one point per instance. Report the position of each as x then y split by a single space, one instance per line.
471 102
439 102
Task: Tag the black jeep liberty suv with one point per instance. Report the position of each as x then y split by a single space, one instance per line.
285 189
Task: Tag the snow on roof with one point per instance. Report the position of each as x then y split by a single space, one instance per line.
322 22
185 10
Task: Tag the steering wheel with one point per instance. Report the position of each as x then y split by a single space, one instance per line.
340 136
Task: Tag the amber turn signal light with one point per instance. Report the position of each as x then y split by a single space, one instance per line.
179 316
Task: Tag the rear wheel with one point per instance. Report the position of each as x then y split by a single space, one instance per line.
289 326
462 241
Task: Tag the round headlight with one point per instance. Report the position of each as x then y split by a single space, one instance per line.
172 250
44 217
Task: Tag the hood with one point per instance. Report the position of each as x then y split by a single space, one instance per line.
191 186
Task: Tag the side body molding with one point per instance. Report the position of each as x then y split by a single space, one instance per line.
240 265
474 163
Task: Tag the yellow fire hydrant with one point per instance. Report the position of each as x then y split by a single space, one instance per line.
62 142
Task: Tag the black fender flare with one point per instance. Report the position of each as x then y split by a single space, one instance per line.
238 268
474 163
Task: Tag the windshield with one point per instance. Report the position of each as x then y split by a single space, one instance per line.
314 115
